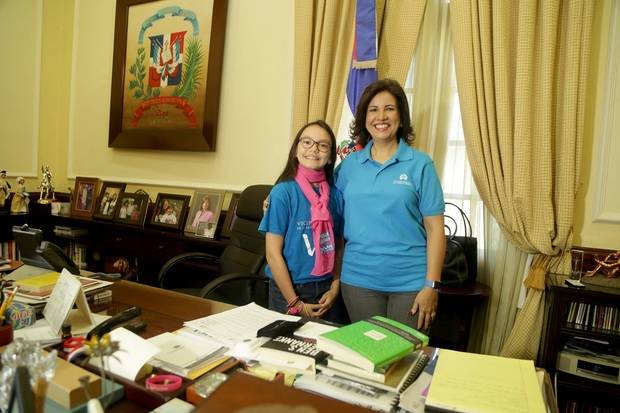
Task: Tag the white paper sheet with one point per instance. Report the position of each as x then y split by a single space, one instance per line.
133 354
238 324
313 330
182 351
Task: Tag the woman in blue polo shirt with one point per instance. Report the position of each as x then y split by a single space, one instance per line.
301 225
393 215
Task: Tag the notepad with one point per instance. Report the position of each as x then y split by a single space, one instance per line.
468 382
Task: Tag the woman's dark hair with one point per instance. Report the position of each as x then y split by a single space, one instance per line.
290 170
358 131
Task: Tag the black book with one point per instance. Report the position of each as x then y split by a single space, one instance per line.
291 351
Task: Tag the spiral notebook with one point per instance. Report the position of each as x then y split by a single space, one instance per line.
396 379
360 391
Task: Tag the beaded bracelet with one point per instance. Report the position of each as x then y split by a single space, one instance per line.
294 310
294 302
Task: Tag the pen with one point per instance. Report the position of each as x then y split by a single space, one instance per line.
6 303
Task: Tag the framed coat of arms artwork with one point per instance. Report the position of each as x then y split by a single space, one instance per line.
166 74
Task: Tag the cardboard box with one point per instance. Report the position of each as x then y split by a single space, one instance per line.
65 388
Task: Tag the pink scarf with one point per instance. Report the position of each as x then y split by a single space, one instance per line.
320 218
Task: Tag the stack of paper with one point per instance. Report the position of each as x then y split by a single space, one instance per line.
468 382
185 356
233 326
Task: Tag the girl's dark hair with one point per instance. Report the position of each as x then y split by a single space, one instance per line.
358 131
290 170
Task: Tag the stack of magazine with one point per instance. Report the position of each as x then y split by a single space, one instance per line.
372 362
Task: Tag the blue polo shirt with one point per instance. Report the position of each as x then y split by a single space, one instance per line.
288 215
384 207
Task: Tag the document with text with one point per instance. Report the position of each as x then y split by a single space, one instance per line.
237 324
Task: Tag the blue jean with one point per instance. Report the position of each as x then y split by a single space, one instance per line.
309 293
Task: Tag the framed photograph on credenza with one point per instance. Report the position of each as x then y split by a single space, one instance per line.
84 196
231 215
170 211
107 202
131 209
204 212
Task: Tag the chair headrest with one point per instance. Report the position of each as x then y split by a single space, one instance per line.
250 204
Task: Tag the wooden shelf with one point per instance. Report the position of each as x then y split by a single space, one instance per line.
577 393
149 247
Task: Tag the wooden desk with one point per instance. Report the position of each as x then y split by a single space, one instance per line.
163 311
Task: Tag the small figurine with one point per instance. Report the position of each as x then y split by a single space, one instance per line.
46 187
19 203
5 188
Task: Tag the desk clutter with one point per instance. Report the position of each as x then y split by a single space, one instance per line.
251 356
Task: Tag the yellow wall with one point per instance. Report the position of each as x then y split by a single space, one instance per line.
255 105
255 108
20 51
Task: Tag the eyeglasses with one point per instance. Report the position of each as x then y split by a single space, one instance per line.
308 143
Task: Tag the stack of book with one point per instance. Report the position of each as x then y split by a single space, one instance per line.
372 362
289 354
40 287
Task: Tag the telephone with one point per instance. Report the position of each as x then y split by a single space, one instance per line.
56 257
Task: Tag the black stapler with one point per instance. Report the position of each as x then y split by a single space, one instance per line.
115 321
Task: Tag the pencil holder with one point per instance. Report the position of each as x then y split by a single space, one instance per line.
6 334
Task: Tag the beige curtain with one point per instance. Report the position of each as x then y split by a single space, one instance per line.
323 45
398 24
521 71
432 88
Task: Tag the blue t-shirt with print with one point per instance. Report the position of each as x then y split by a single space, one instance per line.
288 215
384 208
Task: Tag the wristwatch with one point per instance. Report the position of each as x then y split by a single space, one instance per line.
435 285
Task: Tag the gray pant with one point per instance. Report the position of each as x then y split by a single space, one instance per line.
362 303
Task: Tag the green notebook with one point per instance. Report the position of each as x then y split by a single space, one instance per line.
372 343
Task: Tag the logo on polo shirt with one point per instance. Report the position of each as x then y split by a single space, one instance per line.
403 179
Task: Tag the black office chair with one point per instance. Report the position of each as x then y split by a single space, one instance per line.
239 272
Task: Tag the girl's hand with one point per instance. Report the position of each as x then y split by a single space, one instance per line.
311 310
329 297
426 304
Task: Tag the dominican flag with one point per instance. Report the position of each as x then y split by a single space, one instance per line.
166 59
363 63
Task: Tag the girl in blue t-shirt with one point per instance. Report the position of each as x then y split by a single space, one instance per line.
301 224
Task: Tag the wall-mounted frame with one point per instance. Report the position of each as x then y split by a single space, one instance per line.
107 202
170 211
166 74
132 209
231 215
204 213
84 196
